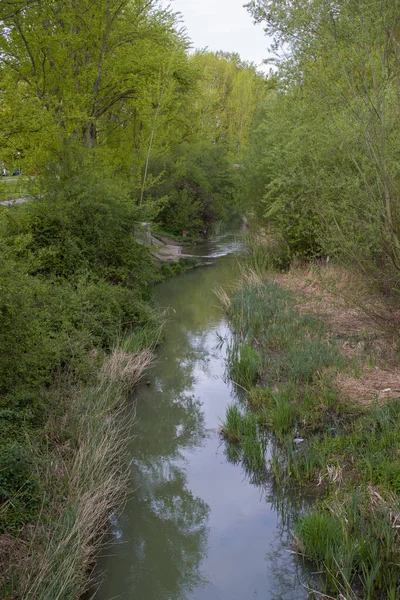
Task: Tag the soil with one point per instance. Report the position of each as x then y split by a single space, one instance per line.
361 321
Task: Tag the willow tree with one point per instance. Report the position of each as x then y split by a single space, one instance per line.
339 81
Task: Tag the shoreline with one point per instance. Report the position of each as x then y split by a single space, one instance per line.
321 380
84 477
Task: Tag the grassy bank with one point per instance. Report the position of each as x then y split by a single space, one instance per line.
81 463
291 367
77 329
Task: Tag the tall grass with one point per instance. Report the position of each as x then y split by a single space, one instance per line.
245 365
92 470
288 366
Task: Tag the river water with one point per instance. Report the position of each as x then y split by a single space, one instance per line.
196 526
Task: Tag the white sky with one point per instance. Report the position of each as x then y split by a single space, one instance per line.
223 25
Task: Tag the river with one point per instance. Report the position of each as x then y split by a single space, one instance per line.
197 526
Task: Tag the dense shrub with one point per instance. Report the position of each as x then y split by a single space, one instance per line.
80 224
197 189
72 278
19 486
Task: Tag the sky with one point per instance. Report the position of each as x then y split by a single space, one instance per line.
223 25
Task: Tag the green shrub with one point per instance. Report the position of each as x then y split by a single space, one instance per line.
197 189
19 486
82 223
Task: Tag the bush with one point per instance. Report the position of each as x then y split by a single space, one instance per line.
199 188
19 486
80 224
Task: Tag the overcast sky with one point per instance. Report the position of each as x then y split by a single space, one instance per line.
223 25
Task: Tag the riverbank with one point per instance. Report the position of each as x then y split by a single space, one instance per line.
80 461
315 352
77 329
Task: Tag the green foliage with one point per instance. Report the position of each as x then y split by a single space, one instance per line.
81 223
72 278
198 189
19 486
169 269
324 151
356 547
111 129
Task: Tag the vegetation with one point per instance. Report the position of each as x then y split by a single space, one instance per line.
321 177
320 439
322 165
112 124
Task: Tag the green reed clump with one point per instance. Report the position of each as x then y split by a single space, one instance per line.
280 415
319 535
232 427
255 306
238 425
350 453
243 430
259 398
355 542
306 357
245 365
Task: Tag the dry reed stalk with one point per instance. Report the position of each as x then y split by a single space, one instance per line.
223 297
250 277
126 367
59 557
247 276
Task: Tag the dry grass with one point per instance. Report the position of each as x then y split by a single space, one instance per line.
223 297
247 277
341 297
126 367
372 386
85 479
59 556
364 323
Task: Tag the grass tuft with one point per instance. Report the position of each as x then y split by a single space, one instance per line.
289 368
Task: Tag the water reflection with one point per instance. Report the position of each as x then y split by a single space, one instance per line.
196 527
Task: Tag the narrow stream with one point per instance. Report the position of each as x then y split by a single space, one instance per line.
197 526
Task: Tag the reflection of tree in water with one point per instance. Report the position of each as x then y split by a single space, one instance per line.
289 504
170 534
165 523
163 531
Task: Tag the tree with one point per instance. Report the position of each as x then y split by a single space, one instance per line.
340 66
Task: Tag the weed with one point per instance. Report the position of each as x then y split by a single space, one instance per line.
352 535
232 428
245 365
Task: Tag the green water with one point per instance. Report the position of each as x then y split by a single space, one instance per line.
196 527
